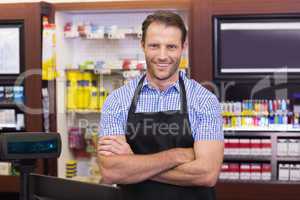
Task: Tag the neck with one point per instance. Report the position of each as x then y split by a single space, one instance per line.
162 84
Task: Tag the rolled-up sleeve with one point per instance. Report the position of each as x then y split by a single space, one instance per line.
112 120
208 121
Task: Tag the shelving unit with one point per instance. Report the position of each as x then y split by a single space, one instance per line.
273 159
30 14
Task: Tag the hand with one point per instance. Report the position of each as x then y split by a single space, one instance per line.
113 145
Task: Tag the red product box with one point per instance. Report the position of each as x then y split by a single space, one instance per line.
224 171
255 146
266 147
233 146
244 146
234 171
255 171
245 171
266 170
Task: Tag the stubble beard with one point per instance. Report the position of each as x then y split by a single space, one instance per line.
172 71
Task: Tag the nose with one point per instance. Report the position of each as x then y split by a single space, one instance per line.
163 54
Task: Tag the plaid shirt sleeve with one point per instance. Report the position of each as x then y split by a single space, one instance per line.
112 117
208 121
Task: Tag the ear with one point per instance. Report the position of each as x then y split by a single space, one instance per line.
184 46
142 44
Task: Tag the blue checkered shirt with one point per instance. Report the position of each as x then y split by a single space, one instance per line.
203 107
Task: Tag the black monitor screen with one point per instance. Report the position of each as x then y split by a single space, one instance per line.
29 147
256 45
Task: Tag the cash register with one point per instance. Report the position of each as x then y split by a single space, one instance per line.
24 148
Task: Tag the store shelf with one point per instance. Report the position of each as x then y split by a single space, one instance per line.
84 112
9 183
11 105
288 158
113 71
247 158
268 129
238 181
261 134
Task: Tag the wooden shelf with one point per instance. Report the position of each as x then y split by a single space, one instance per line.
9 183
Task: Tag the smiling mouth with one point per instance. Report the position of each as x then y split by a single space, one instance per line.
162 65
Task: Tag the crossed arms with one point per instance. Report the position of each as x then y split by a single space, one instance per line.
197 166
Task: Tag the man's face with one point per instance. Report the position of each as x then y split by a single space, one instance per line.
163 49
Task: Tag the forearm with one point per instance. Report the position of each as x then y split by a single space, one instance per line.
190 174
125 169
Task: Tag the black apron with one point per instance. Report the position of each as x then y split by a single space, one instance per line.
144 138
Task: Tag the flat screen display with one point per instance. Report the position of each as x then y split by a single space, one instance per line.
256 45
11 54
32 147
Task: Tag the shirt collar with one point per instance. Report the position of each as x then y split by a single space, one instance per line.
175 85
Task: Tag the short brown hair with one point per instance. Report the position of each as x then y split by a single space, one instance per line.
166 17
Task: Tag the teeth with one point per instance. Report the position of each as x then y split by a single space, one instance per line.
162 65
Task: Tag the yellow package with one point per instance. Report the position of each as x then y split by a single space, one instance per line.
48 52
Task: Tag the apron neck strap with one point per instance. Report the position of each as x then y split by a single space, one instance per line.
137 92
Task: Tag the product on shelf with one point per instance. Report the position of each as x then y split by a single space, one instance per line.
94 97
71 168
20 124
12 94
70 30
266 147
48 51
256 148
2 96
247 146
284 172
89 30
246 171
294 172
244 146
72 77
266 171
102 96
234 171
288 147
83 92
76 138
259 113
18 94
5 168
255 171
9 93
282 147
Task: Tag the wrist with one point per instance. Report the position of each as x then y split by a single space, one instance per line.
178 155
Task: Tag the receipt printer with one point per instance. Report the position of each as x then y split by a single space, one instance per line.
29 145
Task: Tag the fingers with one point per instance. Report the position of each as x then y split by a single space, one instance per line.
105 153
115 145
111 148
109 144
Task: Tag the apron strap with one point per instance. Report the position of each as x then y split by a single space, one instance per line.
137 92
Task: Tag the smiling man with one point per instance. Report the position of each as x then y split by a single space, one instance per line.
161 134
